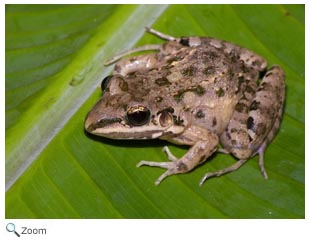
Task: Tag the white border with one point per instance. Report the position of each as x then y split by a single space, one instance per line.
158 229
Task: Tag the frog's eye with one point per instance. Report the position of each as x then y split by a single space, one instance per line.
138 115
105 82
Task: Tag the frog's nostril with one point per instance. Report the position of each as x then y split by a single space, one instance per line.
89 125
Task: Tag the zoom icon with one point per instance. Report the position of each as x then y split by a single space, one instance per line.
10 227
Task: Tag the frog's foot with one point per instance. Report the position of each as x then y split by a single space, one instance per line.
173 167
196 155
170 166
261 152
170 156
223 171
238 164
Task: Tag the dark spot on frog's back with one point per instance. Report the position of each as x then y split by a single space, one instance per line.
220 92
233 130
250 90
200 114
241 107
241 80
190 71
162 81
211 56
233 142
179 96
255 105
199 90
230 73
209 70
173 59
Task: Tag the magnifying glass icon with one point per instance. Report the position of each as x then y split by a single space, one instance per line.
10 227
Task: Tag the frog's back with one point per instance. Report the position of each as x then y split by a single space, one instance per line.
201 81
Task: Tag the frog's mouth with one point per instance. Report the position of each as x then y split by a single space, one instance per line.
116 129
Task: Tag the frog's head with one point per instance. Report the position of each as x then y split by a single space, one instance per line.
121 115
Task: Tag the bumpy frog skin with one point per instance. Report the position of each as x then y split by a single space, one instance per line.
195 91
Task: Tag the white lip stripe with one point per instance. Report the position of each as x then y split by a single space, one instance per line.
130 133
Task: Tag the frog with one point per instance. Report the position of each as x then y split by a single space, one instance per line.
208 94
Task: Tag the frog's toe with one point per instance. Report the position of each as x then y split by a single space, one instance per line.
163 176
170 166
166 165
261 152
170 156
231 168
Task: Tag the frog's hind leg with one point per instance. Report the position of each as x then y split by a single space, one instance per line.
255 121
270 136
266 109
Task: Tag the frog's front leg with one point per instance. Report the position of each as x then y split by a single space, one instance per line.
255 122
200 150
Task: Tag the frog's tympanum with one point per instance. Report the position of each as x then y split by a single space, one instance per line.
202 92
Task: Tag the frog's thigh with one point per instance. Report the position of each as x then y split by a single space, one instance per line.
252 128
134 64
266 109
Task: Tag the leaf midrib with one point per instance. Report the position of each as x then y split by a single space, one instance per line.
18 157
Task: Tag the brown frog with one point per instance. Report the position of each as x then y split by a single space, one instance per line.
195 91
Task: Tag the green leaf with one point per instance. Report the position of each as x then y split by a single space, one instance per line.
54 63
